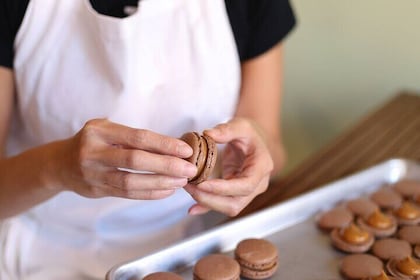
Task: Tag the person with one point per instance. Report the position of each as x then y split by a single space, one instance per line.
94 96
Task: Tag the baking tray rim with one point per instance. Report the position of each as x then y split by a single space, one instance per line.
400 165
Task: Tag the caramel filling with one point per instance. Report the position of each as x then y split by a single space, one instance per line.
408 211
408 266
354 235
382 276
379 220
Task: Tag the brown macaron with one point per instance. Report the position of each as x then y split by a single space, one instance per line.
411 234
362 206
337 217
378 223
204 155
406 268
391 248
408 214
361 266
258 258
216 267
407 188
163 275
387 198
352 239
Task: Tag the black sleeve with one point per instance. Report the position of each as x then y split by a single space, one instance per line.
258 25
11 16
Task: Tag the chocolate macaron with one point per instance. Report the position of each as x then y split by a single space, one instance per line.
216 267
352 239
378 223
204 155
407 188
337 217
164 275
408 214
406 268
362 206
391 248
258 258
361 266
387 198
411 234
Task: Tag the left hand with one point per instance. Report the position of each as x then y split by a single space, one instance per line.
246 168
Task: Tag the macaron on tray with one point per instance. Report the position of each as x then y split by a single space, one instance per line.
379 232
364 226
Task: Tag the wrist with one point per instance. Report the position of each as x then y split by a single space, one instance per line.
53 162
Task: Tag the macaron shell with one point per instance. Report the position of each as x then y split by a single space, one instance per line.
362 206
408 221
335 218
258 274
210 147
204 155
163 276
258 258
410 234
201 161
378 232
387 198
216 266
256 253
359 266
194 140
389 248
407 188
392 268
344 246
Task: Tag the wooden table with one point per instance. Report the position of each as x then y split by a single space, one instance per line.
392 131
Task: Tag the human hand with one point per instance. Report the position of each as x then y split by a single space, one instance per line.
95 158
246 168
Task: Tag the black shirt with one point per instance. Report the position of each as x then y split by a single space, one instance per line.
257 25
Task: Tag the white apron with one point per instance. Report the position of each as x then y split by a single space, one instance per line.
171 67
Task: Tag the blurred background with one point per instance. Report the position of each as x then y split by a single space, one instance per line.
343 60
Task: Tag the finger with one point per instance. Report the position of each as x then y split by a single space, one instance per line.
225 204
143 139
242 186
129 182
238 183
198 209
146 161
106 190
144 195
234 129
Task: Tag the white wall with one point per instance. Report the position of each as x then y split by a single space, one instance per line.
344 59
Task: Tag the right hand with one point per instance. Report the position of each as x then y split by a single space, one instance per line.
94 158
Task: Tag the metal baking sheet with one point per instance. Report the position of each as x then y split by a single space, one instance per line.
304 251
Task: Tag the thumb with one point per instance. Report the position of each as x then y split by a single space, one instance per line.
226 132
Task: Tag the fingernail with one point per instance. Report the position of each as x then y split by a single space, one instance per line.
178 183
194 211
197 211
185 150
209 131
190 170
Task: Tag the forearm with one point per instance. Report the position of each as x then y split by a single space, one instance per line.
22 179
260 99
28 179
